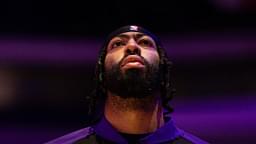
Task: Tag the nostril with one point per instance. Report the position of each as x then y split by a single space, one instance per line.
128 51
136 50
133 51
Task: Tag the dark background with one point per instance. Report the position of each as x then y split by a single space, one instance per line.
48 50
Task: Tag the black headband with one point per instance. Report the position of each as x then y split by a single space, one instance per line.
132 28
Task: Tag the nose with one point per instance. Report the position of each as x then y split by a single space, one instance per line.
132 47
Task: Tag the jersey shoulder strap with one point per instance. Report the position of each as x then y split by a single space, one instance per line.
73 136
187 137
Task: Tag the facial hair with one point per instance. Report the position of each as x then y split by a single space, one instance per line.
133 82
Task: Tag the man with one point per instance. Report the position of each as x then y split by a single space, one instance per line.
133 88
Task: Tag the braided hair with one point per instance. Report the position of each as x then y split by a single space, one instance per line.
97 98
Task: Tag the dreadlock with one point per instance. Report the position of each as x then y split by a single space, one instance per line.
98 96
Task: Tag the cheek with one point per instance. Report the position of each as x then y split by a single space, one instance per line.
112 59
151 56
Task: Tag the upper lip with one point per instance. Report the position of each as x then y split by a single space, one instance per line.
132 58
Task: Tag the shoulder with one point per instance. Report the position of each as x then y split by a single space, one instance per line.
73 136
188 138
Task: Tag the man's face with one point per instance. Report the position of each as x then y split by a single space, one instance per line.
128 49
131 64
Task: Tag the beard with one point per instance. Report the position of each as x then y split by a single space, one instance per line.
133 82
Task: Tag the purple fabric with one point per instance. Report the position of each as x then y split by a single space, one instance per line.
72 137
166 133
104 129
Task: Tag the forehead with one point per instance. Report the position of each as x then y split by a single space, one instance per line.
129 35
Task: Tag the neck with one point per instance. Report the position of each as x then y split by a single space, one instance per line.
134 115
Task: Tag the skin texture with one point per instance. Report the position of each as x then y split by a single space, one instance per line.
133 115
120 45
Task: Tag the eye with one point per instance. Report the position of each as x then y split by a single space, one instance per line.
117 44
146 43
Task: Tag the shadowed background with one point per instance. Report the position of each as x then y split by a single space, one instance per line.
48 51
